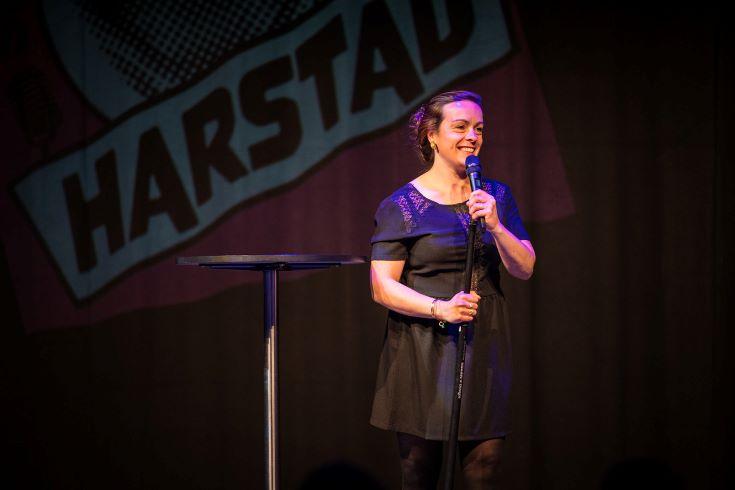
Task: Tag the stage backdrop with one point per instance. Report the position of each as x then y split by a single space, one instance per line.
137 132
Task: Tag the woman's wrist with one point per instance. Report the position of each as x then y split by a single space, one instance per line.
497 230
435 314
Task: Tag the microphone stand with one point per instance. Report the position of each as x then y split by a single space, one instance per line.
450 454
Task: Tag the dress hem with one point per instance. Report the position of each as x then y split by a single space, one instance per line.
494 435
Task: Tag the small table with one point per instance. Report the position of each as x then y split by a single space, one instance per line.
271 265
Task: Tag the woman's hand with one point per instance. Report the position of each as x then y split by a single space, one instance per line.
482 205
461 308
517 255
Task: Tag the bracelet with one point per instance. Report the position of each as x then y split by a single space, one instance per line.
433 308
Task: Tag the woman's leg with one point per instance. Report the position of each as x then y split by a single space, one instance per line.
420 462
480 461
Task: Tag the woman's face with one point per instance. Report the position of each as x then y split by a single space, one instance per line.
459 134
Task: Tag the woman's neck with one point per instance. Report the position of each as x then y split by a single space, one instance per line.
444 184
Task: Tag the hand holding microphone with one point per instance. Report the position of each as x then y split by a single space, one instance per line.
481 204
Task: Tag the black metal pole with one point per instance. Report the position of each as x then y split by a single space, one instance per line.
450 455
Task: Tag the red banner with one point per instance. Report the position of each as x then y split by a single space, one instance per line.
124 149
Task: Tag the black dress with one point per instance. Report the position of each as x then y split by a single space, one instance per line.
415 381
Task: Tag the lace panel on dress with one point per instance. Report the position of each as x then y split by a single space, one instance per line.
412 208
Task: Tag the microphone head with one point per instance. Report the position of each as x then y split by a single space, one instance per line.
472 164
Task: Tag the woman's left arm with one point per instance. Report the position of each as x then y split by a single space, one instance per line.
517 255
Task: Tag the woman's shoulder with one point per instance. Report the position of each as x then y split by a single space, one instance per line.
399 197
404 190
405 207
499 190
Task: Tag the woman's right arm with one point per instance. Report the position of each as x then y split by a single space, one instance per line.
389 292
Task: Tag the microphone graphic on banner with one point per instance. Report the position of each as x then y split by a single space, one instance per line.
474 172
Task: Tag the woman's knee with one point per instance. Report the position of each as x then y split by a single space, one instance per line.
420 461
481 461
418 474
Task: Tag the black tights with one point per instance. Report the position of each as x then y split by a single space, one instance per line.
421 462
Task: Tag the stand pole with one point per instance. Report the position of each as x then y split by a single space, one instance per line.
450 455
270 280
271 265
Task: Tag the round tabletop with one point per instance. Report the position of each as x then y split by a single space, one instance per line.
272 261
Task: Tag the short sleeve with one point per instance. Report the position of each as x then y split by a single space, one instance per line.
508 211
390 240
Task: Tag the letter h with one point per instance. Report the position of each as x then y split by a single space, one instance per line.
102 210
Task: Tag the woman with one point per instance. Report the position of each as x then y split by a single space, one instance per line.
417 269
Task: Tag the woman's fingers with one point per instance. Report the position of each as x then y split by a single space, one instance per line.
470 299
481 204
462 307
466 306
482 208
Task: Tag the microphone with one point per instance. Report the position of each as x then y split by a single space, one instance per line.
474 172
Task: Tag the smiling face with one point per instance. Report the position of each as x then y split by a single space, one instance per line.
459 134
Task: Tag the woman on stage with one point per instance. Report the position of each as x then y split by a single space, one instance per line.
417 268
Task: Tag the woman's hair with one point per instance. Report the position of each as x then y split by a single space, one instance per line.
428 117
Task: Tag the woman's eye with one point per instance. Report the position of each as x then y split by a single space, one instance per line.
479 130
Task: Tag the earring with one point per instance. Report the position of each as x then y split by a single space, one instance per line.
433 146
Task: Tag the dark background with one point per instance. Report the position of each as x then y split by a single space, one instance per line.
621 338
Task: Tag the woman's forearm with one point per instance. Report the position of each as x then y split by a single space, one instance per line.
391 293
399 297
518 256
